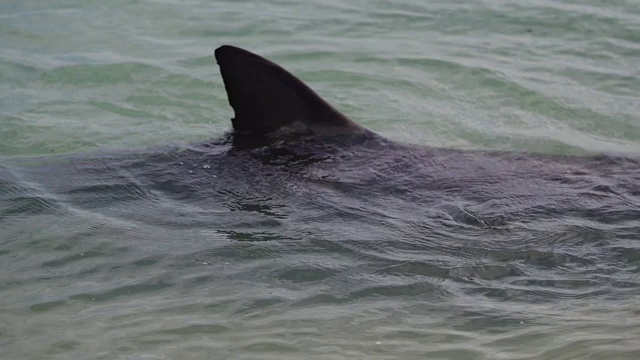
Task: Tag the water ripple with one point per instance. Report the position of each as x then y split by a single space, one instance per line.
309 264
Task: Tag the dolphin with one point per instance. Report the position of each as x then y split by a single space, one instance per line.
291 155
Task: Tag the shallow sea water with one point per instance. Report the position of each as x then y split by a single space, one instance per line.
159 278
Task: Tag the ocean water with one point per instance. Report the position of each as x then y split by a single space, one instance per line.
100 280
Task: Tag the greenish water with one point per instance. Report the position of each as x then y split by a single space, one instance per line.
548 76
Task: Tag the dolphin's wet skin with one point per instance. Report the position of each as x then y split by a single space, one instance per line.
302 217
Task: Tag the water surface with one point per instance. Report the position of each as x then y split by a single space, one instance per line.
96 264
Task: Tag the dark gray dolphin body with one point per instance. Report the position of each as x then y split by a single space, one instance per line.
293 156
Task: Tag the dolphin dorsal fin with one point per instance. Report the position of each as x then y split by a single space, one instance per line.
265 97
